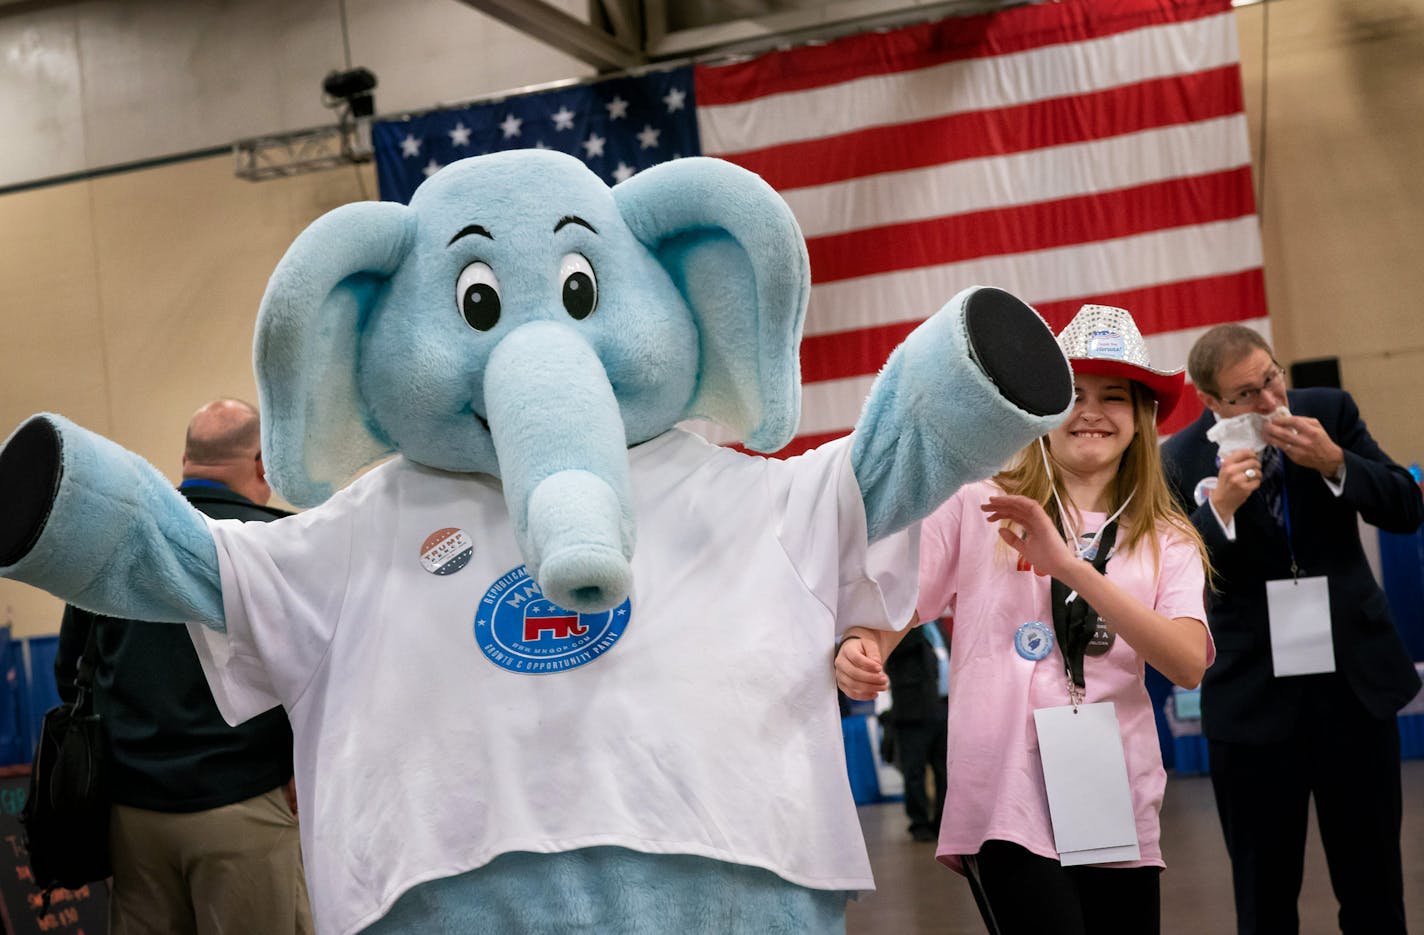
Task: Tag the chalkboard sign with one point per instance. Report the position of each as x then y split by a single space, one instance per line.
84 911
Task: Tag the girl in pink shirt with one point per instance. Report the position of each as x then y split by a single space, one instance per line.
1064 574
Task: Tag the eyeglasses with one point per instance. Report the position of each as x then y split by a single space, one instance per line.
1248 397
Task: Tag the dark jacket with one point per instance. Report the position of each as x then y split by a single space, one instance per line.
913 670
169 749
1242 701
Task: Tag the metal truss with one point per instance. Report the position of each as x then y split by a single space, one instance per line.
281 155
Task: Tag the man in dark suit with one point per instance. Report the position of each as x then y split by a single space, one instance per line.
1290 514
202 835
916 726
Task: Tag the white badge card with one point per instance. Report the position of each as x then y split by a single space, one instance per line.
1299 610
1086 774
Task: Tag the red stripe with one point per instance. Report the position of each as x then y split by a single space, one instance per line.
1060 121
1184 415
930 44
1082 219
1176 306
1188 408
798 445
1167 307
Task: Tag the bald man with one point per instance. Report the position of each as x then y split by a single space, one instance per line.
201 836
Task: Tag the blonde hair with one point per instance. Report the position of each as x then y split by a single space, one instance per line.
1139 475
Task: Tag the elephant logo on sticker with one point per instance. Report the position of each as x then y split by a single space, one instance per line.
519 629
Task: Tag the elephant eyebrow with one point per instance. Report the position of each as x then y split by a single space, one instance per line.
472 229
572 219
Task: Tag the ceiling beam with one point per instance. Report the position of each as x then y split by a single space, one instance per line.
626 19
565 33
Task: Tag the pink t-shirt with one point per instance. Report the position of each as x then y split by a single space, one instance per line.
995 777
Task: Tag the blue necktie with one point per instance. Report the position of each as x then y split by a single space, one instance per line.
1273 475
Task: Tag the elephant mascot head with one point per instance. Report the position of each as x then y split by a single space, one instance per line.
522 319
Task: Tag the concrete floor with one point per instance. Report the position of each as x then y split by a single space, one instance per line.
918 896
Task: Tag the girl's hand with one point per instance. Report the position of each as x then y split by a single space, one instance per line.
1039 544
859 672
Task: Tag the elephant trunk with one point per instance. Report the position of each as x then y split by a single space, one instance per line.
563 460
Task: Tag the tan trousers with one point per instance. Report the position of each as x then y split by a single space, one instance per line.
232 870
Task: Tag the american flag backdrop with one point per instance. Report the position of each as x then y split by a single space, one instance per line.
1069 152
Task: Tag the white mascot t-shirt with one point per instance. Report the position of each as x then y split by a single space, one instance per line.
445 713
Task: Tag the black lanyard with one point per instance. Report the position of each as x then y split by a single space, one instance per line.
1075 622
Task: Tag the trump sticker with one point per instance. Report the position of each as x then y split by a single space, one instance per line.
446 551
519 629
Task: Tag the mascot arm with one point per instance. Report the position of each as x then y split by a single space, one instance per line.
101 528
966 390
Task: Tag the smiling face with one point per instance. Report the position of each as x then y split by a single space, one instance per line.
495 250
1099 428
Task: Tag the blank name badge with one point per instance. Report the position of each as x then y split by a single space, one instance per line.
1085 772
1299 610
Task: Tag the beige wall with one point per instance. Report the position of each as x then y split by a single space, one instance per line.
1343 203
128 301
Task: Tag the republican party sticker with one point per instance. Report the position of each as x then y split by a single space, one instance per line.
446 551
519 629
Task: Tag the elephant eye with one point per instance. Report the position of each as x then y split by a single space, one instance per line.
580 289
477 296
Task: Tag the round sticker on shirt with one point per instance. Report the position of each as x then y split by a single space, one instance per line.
1102 640
1033 641
519 629
1203 490
446 551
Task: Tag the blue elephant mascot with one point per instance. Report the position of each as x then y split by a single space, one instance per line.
508 717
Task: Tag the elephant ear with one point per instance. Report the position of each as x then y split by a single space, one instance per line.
734 250
315 432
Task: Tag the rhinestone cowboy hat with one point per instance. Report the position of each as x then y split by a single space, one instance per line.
1104 340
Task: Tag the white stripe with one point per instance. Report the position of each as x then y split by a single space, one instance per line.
1103 266
834 405
1168 350
1038 175
970 85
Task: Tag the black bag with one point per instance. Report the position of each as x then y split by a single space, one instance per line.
66 816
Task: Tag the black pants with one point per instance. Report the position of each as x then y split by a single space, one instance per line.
1349 761
1021 893
919 744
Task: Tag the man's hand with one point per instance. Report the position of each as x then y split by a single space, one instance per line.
1239 477
1305 441
859 669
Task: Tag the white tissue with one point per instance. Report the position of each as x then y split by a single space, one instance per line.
1243 432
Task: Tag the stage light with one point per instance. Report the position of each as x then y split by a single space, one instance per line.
351 89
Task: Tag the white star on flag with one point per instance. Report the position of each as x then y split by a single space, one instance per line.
617 108
563 119
460 135
431 168
594 145
540 145
675 99
511 126
410 146
649 136
623 173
